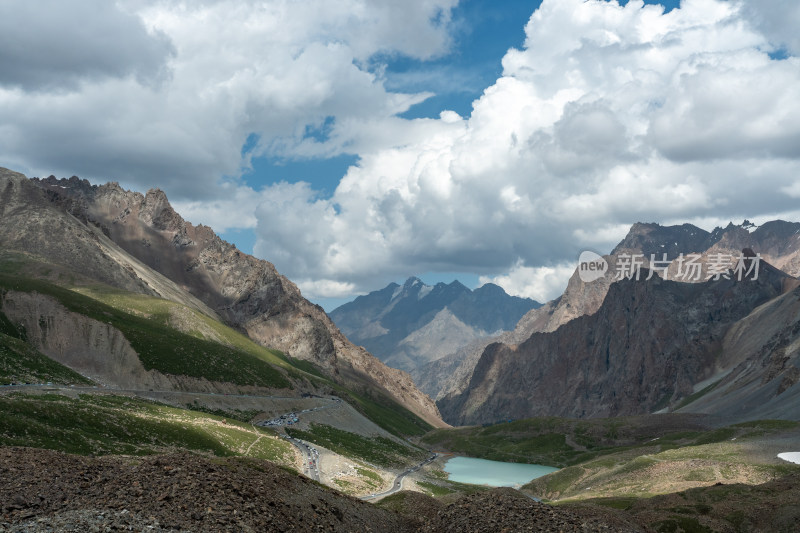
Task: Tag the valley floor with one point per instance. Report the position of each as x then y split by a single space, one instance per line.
201 462
51 491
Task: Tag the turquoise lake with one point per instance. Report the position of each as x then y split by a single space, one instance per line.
493 473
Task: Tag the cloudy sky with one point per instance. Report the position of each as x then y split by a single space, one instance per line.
357 142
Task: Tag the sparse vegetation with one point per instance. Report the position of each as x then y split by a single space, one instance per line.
107 424
245 415
540 441
369 474
377 450
564 442
346 486
696 396
433 489
20 363
386 413
645 471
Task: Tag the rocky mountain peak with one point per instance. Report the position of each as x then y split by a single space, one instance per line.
157 211
646 346
457 285
491 289
412 282
652 238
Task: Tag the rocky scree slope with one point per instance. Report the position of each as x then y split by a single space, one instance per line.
50 490
758 370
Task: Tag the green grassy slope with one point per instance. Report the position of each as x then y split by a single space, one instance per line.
385 412
107 424
676 461
167 313
377 450
382 410
562 442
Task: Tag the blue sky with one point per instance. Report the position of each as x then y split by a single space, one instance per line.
483 33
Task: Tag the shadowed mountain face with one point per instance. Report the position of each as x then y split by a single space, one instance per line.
409 325
759 366
644 349
778 243
139 243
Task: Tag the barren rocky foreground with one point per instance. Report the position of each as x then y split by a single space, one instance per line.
42 490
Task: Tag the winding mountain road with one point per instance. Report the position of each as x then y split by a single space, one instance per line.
398 481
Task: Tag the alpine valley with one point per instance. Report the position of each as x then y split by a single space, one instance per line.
154 377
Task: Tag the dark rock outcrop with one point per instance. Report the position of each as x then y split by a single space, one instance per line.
778 242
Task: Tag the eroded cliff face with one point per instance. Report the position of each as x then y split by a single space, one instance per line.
95 349
247 293
92 348
647 345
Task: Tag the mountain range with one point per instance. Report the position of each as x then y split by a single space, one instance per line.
613 347
410 325
73 233
608 347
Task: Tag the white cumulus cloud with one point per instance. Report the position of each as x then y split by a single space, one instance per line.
165 93
607 115
543 283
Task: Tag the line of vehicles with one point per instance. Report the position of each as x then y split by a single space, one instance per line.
309 452
283 420
289 419
310 456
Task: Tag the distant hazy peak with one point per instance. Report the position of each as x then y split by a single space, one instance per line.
408 325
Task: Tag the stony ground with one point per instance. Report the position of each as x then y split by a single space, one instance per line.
44 491
502 510
49 491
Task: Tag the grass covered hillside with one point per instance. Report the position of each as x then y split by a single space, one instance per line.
170 338
108 424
